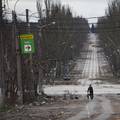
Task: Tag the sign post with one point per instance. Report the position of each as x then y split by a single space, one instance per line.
27 43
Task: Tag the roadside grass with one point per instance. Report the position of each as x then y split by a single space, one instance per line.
5 108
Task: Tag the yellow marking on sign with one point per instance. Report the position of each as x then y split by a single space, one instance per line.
26 37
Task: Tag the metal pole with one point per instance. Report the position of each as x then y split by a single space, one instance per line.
18 57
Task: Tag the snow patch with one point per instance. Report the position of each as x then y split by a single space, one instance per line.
82 89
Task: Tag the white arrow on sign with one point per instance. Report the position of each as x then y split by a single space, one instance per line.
27 48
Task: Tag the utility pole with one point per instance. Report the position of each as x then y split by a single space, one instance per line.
27 16
18 58
1 12
2 80
40 73
2 54
31 90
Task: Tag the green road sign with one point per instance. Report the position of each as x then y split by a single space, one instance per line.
27 43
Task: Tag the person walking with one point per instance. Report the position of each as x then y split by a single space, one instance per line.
90 93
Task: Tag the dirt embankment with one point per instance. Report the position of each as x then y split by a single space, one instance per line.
57 108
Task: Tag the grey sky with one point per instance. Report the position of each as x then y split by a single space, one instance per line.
85 8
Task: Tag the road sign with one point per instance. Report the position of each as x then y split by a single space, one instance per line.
27 43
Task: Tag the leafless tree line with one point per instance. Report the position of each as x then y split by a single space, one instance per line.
109 33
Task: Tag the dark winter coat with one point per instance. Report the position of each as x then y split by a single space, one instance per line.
90 90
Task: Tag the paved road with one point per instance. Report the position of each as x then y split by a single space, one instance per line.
95 62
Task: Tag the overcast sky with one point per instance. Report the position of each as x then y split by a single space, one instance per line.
85 8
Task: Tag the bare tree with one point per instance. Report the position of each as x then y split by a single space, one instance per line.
109 33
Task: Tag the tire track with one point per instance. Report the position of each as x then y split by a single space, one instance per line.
97 109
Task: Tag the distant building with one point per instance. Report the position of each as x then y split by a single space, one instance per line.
92 29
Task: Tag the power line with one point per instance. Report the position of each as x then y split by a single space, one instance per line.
88 18
19 14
